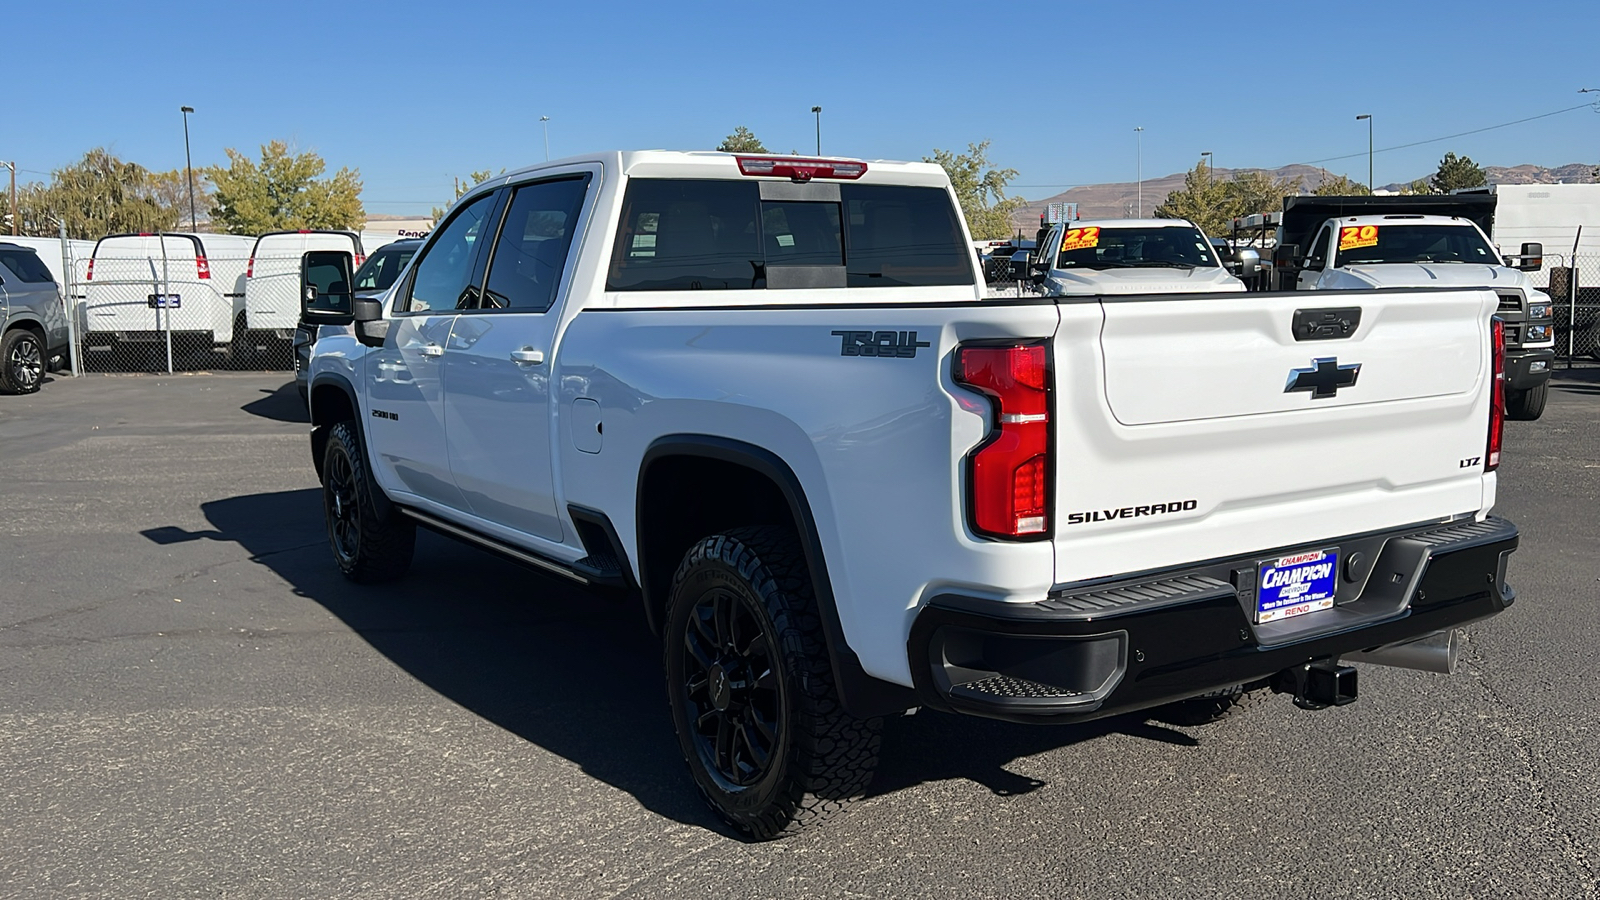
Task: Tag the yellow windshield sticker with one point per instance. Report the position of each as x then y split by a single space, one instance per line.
1080 238
1354 237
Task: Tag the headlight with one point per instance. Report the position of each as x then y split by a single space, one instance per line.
1538 310
1538 332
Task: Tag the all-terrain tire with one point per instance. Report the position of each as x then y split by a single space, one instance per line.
22 362
1208 708
369 547
1528 405
772 676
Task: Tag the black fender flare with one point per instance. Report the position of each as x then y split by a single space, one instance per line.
862 694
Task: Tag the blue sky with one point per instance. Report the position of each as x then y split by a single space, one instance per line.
412 94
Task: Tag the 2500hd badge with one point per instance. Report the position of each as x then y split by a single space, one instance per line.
1131 512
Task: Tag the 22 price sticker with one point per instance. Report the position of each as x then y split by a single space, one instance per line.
1080 238
1354 237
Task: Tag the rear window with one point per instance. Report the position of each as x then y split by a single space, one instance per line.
679 234
381 269
25 265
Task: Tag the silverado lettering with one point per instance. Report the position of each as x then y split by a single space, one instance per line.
1131 512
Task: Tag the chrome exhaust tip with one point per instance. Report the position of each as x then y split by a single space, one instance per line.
1438 652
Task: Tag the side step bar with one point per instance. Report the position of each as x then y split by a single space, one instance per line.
515 554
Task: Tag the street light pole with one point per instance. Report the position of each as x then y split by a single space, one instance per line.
1370 186
1139 130
818 111
1211 166
544 121
188 166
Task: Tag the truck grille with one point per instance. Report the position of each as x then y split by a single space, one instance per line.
1510 303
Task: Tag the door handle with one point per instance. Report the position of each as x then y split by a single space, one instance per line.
432 351
527 356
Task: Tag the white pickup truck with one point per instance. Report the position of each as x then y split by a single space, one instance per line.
767 398
1398 241
1130 256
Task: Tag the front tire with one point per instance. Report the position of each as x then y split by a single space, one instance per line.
369 548
1528 405
21 362
751 688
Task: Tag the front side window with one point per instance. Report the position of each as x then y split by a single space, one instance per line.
1319 250
1092 247
680 234
1385 243
445 269
531 251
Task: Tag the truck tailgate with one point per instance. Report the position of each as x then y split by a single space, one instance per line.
1199 427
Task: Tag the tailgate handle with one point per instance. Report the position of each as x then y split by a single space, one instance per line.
1326 324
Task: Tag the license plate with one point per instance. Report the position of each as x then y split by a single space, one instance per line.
164 301
1296 585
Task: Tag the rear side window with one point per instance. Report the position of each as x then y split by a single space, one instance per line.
679 234
531 251
25 265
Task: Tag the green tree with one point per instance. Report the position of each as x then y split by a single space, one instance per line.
1202 200
283 192
95 196
462 186
1339 186
1420 186
1457 172
1258 192
980 189
741 141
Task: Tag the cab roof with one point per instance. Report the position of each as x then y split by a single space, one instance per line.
716 164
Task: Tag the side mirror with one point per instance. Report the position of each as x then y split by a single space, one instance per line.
1249 260
325 279
371 327
1532 258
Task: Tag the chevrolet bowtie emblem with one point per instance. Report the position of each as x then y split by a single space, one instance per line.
1323 378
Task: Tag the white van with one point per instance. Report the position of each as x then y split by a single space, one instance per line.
137 286
49 251
272 283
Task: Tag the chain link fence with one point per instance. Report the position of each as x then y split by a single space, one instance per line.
182 314
1573 283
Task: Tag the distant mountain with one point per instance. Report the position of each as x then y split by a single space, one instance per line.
1120 200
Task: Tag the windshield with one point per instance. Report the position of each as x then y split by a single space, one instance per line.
1125 248
1413 243
382 268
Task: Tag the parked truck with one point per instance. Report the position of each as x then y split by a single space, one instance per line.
1130 256
1432 242
769 399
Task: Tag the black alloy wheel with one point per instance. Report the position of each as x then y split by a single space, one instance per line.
370 543
342 508
750 685
24 362
731 684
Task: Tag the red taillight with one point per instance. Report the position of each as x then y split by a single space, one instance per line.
1010 473
90 275
1497 402
799 169
202 268
250 268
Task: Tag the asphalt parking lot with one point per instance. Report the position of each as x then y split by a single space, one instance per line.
194 704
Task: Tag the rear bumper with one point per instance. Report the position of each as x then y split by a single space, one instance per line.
1115 647
1528 368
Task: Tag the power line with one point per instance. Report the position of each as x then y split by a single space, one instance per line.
1456 135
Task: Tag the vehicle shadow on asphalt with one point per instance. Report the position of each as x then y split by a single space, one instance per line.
281 405
574 672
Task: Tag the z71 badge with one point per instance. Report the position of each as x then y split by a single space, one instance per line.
882 344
